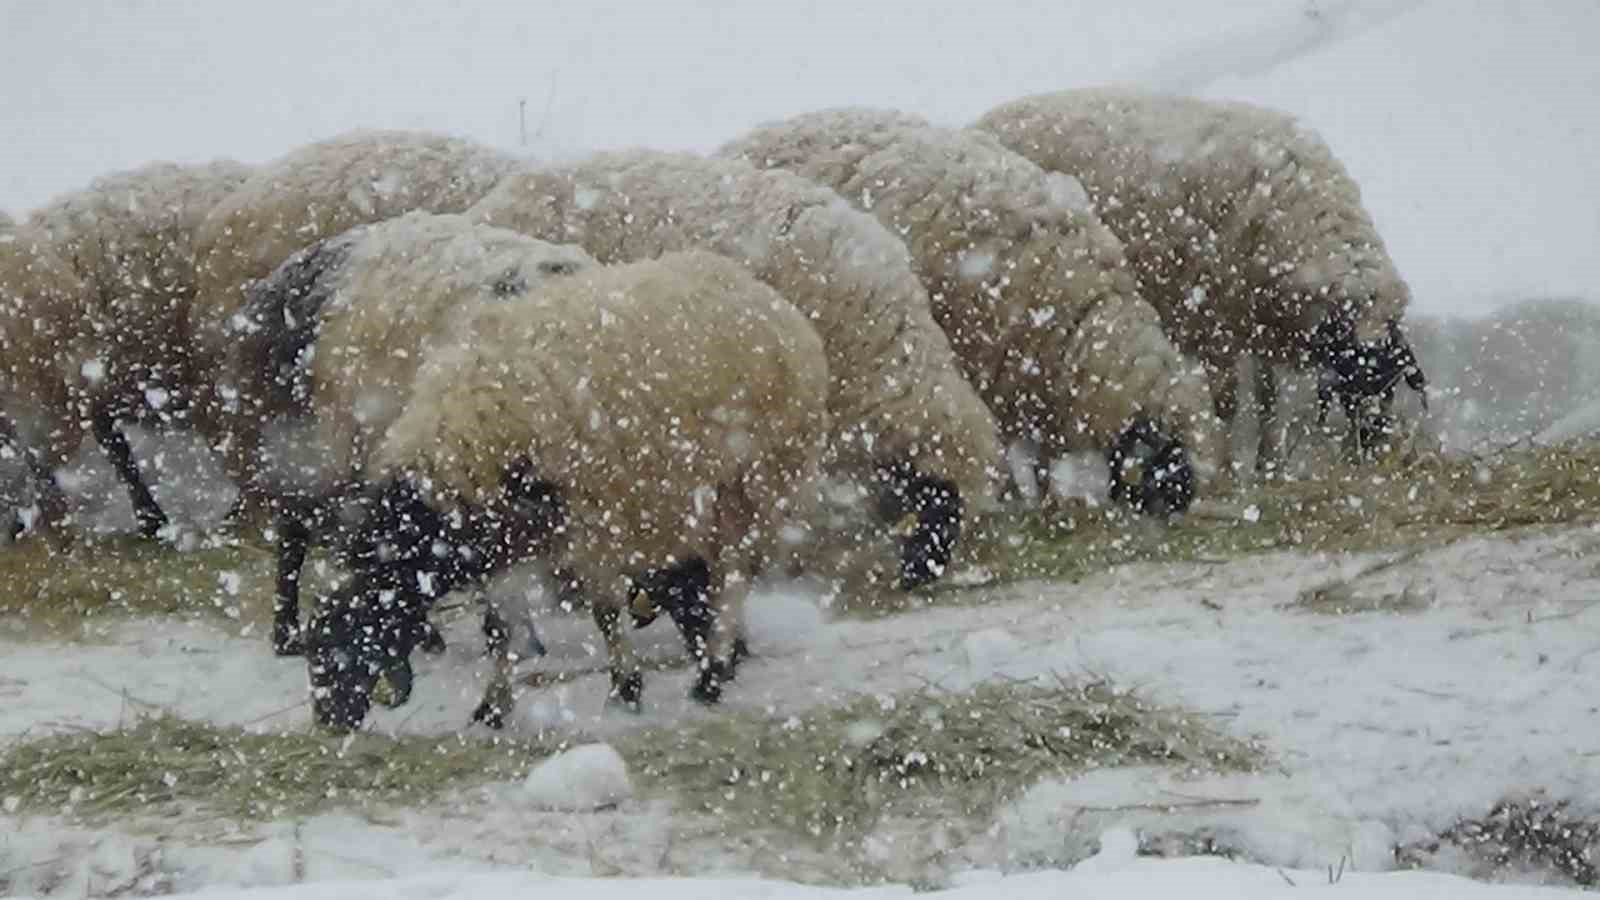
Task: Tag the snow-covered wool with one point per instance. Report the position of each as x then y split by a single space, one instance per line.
677 407
904 418
129 237
1241 226
1032 289
324 351
319 191
42 303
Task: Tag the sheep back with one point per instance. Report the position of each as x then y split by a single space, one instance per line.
896 390
335 335
1243 228
322 190
638 389
130 237
1031 287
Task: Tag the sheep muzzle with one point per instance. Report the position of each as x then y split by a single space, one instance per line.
1151 472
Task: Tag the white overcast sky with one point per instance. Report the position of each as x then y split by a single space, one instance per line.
1473 125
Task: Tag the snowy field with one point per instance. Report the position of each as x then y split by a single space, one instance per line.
1445 678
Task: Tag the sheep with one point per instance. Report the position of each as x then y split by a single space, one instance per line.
324 350
905 420
316 192
42 303
1242 228
129 238
1032 289
656 414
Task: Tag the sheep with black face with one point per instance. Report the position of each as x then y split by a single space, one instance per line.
1032 289
1243 229
905 420
324 352
621 422
309 195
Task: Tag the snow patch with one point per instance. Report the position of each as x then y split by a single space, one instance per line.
988 651
584 778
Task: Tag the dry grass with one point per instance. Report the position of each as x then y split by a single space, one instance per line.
1391 506
75 594
833 774
829 774
1395 505
164 763
1522 835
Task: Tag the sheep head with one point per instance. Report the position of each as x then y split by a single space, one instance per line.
363 634
1151 471
928 511
681 590
1361 369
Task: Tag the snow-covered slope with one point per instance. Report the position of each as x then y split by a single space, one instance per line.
1470 123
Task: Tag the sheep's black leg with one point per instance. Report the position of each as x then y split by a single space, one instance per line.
927 550
627 682
145 508
1324 403
294 540
1352 438
497 698
1042 475
1224 383
496 633
51 499
431 640
1267 446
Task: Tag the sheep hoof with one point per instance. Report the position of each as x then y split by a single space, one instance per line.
152 529
496 703
490 715
627 692
393 687
287 640
708 689
432 641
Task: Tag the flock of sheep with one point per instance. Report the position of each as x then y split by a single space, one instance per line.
644 366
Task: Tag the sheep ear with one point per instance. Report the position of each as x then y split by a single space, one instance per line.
641 607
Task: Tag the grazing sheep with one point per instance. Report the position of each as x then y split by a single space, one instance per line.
904 419
316 192
620 420
42 381
1031 288
130 239
325 348
1242 228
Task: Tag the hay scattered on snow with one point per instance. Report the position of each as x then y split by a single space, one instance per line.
165 762
1521 835
833 774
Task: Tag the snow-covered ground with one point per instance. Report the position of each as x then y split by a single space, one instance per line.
1471 127
1112 877
1383 726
